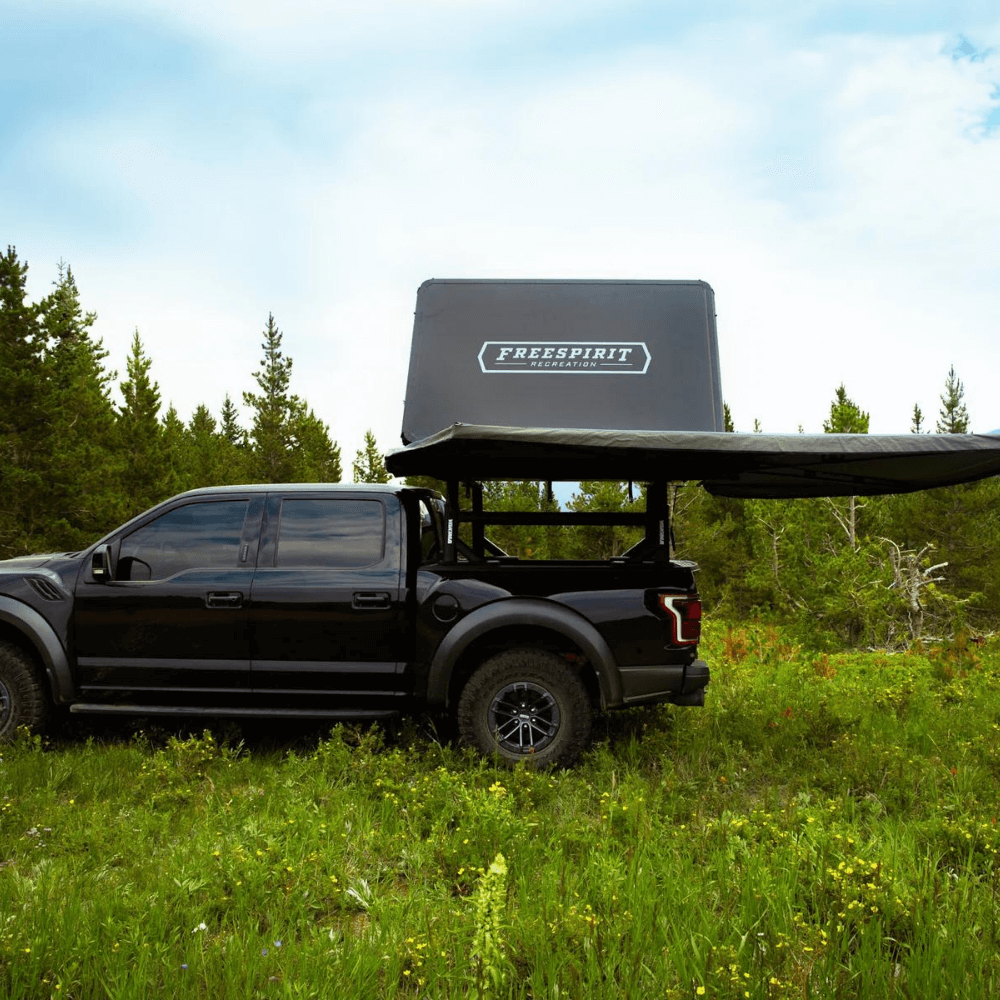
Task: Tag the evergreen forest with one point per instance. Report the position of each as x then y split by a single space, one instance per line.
82 450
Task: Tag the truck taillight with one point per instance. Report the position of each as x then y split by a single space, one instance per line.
685 617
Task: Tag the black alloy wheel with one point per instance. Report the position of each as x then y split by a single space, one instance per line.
526 705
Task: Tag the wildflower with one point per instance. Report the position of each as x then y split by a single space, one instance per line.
201 927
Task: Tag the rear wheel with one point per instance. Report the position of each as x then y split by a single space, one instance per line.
22 697
526 704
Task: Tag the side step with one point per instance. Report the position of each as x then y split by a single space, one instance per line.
222 711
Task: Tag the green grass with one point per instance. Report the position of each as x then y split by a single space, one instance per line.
824 827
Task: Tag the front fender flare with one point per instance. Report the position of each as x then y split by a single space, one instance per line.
44 642
522 611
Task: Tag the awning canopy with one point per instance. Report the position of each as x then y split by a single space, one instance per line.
733 465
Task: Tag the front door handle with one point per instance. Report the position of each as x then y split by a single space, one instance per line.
224 599
368 600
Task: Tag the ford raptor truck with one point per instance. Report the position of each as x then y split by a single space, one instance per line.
334 602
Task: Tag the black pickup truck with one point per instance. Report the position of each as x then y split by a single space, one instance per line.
342 602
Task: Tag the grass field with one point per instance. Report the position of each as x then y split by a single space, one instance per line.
825 827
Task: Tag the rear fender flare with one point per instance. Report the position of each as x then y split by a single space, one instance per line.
522 612
42 639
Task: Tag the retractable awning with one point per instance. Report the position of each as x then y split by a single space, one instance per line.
733 465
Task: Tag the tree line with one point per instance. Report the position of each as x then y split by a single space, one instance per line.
74 463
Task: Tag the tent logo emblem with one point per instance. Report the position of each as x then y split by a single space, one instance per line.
592 357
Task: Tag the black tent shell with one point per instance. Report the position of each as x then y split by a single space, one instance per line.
728 464
632 355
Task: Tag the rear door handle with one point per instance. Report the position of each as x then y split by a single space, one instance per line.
224 599
367 600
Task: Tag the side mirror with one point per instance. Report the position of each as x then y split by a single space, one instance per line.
101 569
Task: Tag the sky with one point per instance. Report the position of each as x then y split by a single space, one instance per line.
830 169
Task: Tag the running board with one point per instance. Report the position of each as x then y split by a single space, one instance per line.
351 714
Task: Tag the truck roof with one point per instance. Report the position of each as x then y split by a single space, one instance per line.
293 488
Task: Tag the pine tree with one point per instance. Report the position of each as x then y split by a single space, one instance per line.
80 461
290 444
230 424
210 457
917 420
368 464
233 456
846 417
953 417
727 419
202 447
271 434
139 434
177 473
21 348
315 456
23 424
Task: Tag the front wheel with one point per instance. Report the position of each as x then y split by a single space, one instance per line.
22 697
526 704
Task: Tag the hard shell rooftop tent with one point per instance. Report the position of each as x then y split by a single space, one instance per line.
619 380
623 355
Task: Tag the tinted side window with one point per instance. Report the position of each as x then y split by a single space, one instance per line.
190 537
321 532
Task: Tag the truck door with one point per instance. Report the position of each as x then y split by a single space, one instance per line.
172 626
326 608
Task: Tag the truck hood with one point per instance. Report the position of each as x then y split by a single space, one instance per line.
20 563
23 564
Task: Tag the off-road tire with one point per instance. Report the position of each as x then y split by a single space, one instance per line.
526 705
23 701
